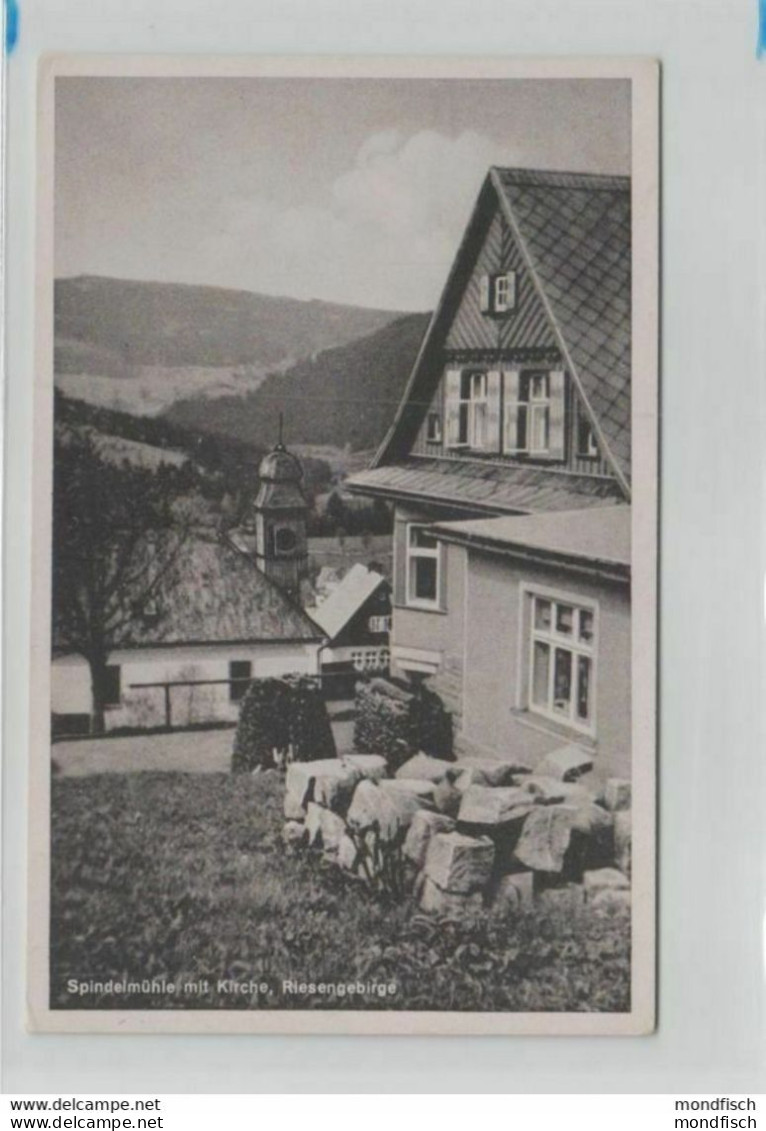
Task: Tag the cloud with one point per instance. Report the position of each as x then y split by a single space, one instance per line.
385 235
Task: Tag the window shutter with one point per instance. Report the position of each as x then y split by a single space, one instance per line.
492 435
452 407
484 294
510 422
556 422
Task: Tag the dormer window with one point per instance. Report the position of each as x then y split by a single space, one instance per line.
534 413
497 293
434 428
472 419
587 447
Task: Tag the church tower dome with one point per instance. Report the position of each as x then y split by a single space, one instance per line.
278 517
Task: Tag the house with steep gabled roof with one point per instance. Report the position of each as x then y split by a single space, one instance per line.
514 426
356 618
226 611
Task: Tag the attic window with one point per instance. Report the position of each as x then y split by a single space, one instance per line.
498 293
434 428
587 448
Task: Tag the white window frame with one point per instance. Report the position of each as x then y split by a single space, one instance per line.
504 293
413 552
477 379
536 405
530 594
379 623
370 659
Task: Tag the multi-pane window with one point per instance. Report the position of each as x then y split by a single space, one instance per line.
422 567
240 673
534 413
497 293
379 624
370 659
504 293
472 419
562 659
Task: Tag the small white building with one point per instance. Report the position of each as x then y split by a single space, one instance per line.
217 622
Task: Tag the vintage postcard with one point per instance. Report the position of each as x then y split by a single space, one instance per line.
345 546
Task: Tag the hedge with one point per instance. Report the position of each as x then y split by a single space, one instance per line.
397 720
282 720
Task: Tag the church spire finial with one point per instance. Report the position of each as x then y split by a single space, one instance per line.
280 441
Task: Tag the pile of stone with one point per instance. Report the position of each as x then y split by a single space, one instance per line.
475 833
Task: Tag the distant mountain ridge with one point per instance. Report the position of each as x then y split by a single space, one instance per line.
346 396
111 327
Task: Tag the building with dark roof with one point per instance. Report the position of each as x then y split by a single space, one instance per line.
512 444
224 612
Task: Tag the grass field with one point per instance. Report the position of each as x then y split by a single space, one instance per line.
184 877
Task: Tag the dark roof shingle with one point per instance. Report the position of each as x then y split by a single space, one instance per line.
213 594
576 229
483 485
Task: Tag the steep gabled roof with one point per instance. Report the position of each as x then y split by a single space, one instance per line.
213 594
346 599
573 230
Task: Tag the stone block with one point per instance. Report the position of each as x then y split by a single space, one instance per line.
293 832
487 772
455 905
551 791
458 863
423 790
327 781
604 879
391 809
623 840
324 828
447 797
371 766
347 853
590 819
566 764
617 794
514 892
545 838
424 825
424 768
484 805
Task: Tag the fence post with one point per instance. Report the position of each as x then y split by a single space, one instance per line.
168 708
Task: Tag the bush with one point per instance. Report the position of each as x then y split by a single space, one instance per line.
397 721
282 720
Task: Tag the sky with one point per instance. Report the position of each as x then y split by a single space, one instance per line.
347 190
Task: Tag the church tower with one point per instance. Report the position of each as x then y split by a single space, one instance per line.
276 522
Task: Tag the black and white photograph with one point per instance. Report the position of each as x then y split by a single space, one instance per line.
345 445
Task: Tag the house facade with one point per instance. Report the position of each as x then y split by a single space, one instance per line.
356 618
518 409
